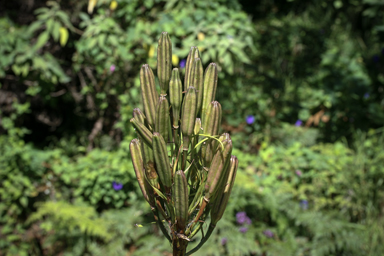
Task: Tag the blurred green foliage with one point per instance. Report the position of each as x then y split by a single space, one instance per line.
69 81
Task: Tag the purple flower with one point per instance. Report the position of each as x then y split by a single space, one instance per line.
304 204
298 173
241 217
112 68
376 58
298 122
182 63
117 186
243 229
250 119
224 240
268 233
366 95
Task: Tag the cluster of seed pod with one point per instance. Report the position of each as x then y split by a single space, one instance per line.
183 165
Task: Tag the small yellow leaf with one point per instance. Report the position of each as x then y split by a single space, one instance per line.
175 60
91 6
200 36
63 36
151 51
200 48
113 5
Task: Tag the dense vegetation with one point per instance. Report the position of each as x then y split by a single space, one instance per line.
301 85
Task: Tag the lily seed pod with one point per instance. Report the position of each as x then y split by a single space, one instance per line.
163 165
149 93
188 116
143 131
162 120
217 170
164 62
197 129
211 127
175 96
152 176
210 85
180 198
137 161
197 77
139 116
220 203
193 54
213 121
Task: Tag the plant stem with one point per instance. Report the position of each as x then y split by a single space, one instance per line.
203 240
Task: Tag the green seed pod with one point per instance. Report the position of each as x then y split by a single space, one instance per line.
193 54
143 131
210 85
217 170
164 62
148 93
188 116
137 161
220 203
152 176
145 149
213 121
162 121
175 96
147 154
197 76
163 165
180 199
211 127
197 128
139 115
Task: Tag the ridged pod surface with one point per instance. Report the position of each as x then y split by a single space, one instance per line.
197 77
210 86
143 131
139 116
213 121
146 150
138 166
162 121
217 170
180 199
220 203
163 166
175 96
152 176
211 127
193 54
148 93
188 116
164 62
